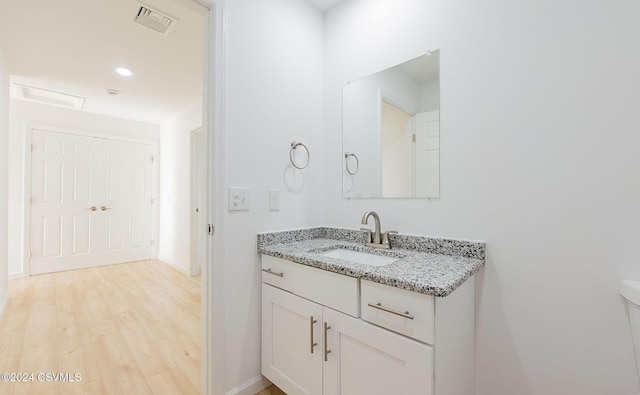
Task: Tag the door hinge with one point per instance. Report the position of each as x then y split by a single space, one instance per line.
211 229
413 138
151 200
152 159
29 254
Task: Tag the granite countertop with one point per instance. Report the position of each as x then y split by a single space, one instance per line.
433 266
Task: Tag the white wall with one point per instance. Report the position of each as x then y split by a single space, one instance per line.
273 89
23 116
4 180
539 148
175 187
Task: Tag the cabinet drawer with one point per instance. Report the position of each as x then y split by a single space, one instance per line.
406 312
277 272
333 290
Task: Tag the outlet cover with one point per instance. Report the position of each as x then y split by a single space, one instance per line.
238 199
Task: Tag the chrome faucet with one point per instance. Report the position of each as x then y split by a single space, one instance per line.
377 239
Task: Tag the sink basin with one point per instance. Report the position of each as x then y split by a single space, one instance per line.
360 257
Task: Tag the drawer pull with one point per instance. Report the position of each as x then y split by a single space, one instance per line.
311 322
272 272
326 351
392 311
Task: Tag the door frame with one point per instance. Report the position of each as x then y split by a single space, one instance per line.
26 217
197 201
213 273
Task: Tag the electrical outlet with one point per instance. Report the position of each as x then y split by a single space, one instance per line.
238 199
274 199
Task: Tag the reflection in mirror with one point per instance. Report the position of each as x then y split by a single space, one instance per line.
391 127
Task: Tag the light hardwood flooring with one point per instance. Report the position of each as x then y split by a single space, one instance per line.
131 328
271 390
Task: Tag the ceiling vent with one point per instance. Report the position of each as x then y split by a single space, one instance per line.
154 19
46 96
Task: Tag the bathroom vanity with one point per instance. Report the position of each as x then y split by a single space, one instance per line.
342 318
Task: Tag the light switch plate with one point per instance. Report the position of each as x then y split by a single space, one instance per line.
238 199
274 199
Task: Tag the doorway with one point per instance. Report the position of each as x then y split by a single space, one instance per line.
209 315
396 152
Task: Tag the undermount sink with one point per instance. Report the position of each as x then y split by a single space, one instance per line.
360 257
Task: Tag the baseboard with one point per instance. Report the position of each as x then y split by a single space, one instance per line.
181 269
3 304
251 387
13 276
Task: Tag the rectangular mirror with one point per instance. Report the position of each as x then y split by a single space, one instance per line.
391 132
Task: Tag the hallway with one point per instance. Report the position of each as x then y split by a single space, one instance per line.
131 328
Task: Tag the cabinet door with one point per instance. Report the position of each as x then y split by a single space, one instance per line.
291 326
365 359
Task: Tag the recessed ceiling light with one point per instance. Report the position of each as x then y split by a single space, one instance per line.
124 71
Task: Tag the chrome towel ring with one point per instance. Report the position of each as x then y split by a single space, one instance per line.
348 155
295 145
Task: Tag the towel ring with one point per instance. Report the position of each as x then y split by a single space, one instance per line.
295 145
348 155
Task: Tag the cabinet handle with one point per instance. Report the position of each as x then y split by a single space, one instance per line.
104 208
92 208
311 322
326 351
272 272
392 311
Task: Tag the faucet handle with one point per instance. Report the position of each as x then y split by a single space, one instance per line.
385 237
369 235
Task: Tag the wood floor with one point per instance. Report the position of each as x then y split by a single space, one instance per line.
131 328
271 390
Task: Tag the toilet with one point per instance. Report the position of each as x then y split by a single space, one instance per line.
631 291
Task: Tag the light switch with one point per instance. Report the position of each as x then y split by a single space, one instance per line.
238 199
274 199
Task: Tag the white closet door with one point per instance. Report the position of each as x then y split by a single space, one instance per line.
125 174
70 184
64 173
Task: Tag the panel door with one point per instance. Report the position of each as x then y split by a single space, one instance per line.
365 359
291 326
90 202
125 176
64 180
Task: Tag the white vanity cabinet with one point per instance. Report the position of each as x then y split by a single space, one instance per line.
364 359
291 341
314 341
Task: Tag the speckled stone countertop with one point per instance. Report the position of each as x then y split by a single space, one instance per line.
428 265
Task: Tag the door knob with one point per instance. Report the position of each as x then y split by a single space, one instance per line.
104 208
92 208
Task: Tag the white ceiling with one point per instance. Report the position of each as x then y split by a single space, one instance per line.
424 69
74 46
325 5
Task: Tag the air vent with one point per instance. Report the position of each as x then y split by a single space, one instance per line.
46 96
154 19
